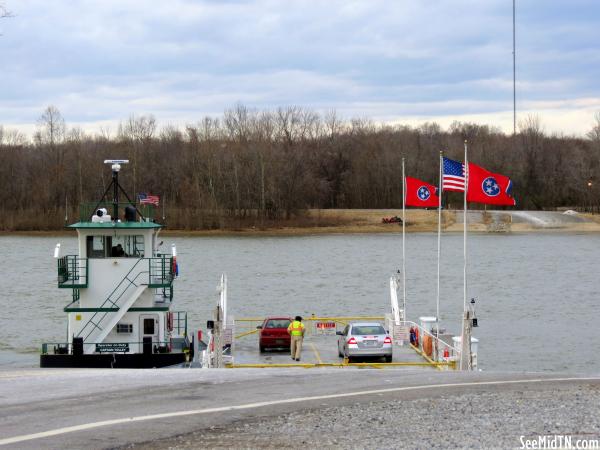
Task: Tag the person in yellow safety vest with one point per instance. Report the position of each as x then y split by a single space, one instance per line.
296 331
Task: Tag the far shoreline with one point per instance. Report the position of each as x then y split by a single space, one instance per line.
345 221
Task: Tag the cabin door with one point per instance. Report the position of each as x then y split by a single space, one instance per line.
149 327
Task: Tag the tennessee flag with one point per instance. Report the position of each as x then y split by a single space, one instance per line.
487 187
421 194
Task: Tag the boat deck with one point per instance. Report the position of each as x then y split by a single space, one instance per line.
319 351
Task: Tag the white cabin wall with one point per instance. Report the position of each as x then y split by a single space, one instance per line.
105 274
133 318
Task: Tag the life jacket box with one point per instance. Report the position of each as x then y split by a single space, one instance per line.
427 345
428 324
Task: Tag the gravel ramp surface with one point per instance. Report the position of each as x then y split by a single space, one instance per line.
491 419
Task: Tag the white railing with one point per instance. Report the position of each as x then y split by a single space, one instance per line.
439 347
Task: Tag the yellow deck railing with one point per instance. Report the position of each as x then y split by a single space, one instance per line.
248 325
343 364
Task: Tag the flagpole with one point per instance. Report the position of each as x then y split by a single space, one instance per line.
403 241
439 245
463 345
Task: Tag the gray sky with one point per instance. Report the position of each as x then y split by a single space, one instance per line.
403 61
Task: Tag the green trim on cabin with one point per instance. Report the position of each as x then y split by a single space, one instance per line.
157 308
141 309
113 225
160 285
69 309
72 286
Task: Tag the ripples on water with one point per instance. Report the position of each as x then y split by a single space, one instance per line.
536 294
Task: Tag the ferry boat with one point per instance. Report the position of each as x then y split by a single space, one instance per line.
121 282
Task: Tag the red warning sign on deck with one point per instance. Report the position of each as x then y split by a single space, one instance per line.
325 327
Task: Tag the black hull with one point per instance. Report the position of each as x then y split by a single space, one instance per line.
114 361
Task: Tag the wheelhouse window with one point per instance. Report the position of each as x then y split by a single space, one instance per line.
128 246
99 246
115 246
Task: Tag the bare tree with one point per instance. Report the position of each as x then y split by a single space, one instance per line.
12 138
333 124
594 133
51 127
137 132
253 168
50 138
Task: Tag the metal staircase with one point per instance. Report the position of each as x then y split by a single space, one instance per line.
157 275
108 322
129 289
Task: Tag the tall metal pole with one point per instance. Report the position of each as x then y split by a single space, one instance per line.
465 230
218 338
403 241
514 74
439 245
465 346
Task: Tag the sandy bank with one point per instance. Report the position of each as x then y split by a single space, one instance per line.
346 221
370 221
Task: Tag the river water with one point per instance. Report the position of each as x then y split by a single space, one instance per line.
537 294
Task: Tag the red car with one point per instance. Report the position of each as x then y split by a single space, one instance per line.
273 333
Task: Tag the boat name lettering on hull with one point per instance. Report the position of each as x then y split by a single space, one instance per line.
112 347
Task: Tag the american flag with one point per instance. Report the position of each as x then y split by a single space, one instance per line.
147 199
454 176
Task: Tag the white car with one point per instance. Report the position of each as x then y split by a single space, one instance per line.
364 339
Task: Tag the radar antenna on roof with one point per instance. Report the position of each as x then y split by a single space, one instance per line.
116 163
116 167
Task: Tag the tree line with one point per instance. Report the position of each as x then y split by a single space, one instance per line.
266 168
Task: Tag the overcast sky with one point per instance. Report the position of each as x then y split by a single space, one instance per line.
397 61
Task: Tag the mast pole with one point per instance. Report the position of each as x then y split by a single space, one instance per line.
465 346
403 240
115 176
115 167
514 73
465 230
439 246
